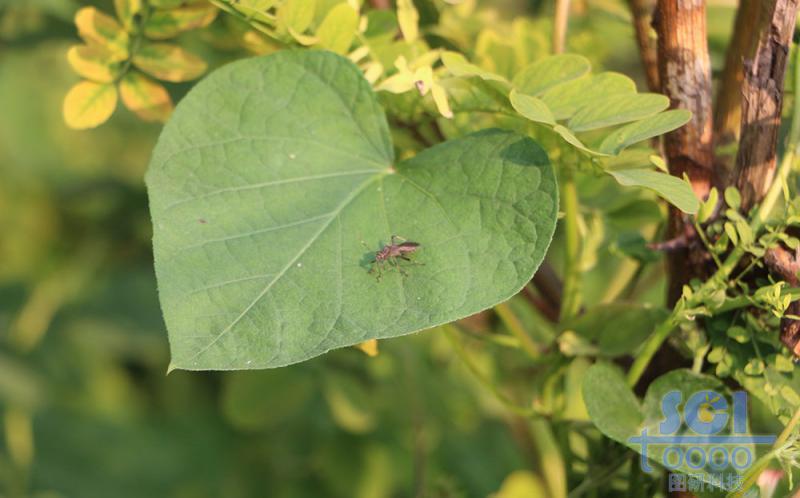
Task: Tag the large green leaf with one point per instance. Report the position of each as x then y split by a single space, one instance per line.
269 176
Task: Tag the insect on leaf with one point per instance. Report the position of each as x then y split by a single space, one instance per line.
89 104
290 184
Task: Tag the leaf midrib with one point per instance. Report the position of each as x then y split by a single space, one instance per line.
334 215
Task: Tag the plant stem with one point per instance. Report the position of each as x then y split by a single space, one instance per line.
560 21
753 472
571 303
516 328
452 334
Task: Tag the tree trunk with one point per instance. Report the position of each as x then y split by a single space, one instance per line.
685 74
762 101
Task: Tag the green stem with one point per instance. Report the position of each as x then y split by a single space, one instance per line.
516 328
751 476
452 334
571 302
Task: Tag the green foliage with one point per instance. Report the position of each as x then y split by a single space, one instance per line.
259 263
113 47
483 207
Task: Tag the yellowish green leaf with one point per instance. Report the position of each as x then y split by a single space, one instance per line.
440 99
169 62
521 484
92 62
145 98
370 347
127 10
408 18
532 108
338 29
296 15
100 29
164 24
89 104
305 40
460 66
166 4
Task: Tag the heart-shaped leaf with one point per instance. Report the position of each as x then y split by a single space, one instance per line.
271 173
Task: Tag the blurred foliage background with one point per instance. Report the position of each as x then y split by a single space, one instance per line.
86 406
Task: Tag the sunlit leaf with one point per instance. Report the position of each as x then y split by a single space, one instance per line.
163 24
168 62
539 76
370 347
89 104
145 98
567 98
571 139
166 4
675 190
521 484
100 29
408 18
126 10
440 99
92 62
650 127
276 273
338 29
296 15
617 109
531 107
459 66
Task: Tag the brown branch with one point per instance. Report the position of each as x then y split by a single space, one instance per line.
642 11
762 101
744 39
786 265
685 74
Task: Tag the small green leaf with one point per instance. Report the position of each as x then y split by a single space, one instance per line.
459 66
566 99
272 172
708 206
531 107
571 139
676 191
611 404
649 127
733 198
618 109
550 71
338 29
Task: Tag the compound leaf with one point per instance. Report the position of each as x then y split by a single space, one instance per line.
272 172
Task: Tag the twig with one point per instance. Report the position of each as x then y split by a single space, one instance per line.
642 11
